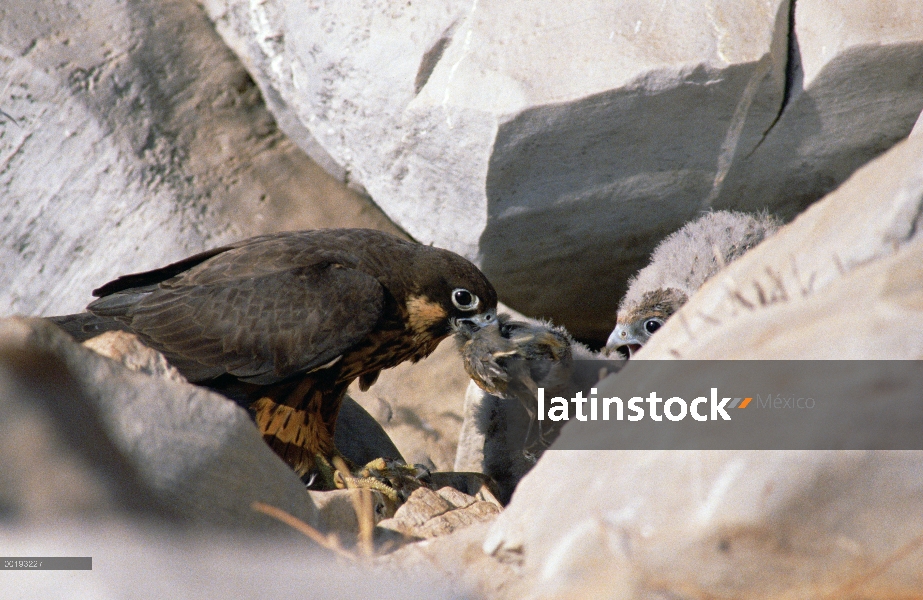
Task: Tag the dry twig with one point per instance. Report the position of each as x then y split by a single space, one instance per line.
329 542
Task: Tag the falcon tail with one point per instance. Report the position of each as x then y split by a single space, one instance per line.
84 326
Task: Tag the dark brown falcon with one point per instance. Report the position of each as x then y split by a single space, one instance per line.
283 323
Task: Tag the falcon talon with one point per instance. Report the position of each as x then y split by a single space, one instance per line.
421 472
324 472
310 481
350 482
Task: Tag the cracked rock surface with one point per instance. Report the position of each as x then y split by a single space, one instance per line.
429 514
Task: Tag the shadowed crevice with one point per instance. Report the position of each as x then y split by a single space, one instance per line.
794 74
432 57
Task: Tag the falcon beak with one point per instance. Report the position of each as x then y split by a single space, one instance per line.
622 342
475 322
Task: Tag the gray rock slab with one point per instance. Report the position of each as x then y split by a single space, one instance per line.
136 440
358 435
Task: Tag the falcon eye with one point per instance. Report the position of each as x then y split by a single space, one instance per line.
652 325
464 300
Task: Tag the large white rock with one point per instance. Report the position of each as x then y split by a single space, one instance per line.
853 88
704 524
130 136
559 145
830 31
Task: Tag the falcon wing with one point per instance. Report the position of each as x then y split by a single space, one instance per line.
259 325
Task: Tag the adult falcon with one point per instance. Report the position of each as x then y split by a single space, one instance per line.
283 323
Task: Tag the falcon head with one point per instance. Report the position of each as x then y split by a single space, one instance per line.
636 323
448 293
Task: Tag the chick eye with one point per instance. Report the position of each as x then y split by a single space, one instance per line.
464 300
652 325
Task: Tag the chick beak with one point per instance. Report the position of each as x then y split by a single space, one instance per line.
622 342
475 322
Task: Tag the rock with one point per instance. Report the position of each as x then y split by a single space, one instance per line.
428 513
56 458
555 146
470 483
132 560
834 284
130 136
448 502
558 148
716 524
81 430
358 436
127 349
837 282
458 558
850 95
829 32
918 127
